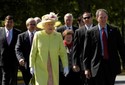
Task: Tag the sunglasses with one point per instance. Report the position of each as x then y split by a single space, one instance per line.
86 17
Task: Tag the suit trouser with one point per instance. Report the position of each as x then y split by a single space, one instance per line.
9 75
104 75
84 80
73 78
0 76
26 74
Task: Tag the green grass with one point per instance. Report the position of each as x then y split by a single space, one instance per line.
19 74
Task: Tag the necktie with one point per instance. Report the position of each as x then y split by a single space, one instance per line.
32 35
105 46
8 37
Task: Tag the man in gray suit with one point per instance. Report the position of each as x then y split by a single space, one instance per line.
8 59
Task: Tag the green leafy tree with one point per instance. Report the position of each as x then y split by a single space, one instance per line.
23 9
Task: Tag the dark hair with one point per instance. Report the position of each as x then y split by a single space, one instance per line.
9 17
79 19
88 12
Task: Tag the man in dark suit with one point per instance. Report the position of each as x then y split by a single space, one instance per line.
68 20
103 46
8 59
23 47
78 46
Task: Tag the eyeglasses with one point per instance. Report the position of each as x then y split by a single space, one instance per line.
86 17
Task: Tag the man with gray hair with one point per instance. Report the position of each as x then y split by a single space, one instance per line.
23 47
68 20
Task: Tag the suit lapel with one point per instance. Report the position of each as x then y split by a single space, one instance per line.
97 33
73 28
109 30
3 34
27 38
64 28
13 36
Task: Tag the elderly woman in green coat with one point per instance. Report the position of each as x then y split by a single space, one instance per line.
46 48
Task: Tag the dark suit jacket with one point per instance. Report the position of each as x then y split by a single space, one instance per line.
63 28
93 52
23 47
78 45
7 52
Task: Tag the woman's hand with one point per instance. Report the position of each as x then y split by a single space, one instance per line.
66 71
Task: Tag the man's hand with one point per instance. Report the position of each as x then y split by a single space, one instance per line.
88 74
21 62
76 68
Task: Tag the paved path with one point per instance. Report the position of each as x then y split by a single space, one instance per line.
120 80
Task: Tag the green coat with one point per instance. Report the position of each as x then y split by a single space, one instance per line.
42 44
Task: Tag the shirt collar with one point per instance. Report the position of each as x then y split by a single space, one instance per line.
101 28
31 32
68 27
8 30
89 26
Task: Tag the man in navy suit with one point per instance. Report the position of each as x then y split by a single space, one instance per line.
23 47
8 59
103 46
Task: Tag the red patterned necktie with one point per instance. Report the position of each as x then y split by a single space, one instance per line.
105 46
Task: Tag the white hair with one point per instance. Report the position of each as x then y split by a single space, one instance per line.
29 20
68 15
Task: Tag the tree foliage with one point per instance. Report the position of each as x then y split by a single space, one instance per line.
23 9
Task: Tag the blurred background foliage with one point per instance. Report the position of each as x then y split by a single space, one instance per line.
23 9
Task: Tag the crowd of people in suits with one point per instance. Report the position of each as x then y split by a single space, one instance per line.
90 54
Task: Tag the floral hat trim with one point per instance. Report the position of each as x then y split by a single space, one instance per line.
52 17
